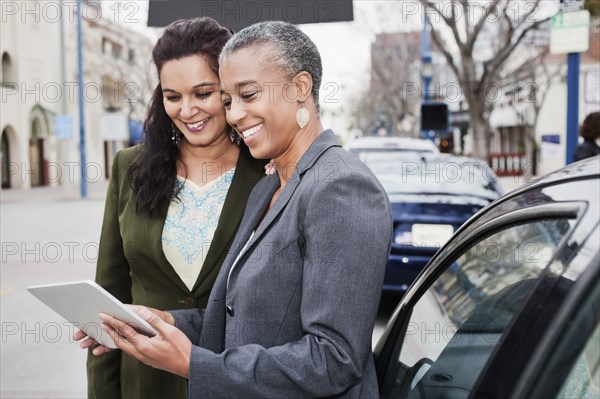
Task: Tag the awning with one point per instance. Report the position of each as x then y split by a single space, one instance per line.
136 132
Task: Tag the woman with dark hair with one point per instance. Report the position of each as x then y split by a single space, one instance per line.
174 202
590 133
291 314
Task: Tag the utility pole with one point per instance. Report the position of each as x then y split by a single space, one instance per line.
80 79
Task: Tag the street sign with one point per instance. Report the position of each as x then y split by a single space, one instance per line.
434 116
63 127
571 5
570 32
459 117
114 126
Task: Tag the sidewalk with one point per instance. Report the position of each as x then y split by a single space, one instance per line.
95 191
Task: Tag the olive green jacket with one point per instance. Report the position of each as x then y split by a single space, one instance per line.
132 266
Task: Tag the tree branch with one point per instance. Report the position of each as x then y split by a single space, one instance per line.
447 55
472 38
451 24
492 66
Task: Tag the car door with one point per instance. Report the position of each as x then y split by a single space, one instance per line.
567 361
465 310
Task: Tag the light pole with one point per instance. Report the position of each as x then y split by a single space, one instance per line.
426 73
81 102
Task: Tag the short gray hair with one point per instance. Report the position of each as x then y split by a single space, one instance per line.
290 50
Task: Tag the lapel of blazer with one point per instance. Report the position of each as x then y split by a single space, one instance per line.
248 171
258 202
150 228
153 232
324 141
213 330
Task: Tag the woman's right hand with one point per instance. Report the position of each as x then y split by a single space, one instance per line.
87 342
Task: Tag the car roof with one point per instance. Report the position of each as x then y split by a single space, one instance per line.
583 169
399 143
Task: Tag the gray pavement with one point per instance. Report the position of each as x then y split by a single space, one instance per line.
51 235
47 235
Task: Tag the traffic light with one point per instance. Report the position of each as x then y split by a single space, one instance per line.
434 116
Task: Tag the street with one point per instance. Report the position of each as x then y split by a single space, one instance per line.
49 235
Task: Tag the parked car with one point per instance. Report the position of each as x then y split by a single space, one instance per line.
510 306
391 144
431 196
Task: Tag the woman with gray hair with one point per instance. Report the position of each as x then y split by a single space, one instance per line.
292 311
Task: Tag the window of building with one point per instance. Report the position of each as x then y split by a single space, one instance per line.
5 160
117 50
106 46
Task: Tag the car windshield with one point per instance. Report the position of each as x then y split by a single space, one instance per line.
415 174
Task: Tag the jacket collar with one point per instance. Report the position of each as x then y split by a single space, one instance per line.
255 211
323 141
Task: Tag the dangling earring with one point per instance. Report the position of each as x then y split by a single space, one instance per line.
176 136
302 117
234 137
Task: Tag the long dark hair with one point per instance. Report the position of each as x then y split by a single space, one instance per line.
153 173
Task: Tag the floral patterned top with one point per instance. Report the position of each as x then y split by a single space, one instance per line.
191 223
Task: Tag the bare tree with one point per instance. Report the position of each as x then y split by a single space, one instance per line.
395 62
467 25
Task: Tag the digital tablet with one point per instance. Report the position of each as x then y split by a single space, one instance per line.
80 302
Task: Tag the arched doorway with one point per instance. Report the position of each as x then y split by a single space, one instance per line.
37 161
5 160
7 69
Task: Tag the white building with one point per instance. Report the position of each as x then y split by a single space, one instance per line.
515 119
39 81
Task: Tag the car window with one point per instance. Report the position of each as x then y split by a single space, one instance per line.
455 325
584 378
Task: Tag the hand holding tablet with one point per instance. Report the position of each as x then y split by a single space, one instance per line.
80 303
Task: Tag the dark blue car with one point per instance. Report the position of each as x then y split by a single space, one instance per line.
432 196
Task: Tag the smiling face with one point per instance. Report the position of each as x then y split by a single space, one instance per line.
260 103
191 99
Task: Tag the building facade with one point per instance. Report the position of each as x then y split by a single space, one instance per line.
530 119
39 117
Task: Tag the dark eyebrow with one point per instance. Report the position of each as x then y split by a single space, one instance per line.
205 85
198 86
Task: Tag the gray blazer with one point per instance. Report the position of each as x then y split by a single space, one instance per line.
293 317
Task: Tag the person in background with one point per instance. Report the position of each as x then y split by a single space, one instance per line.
174 202
292 311
590 132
